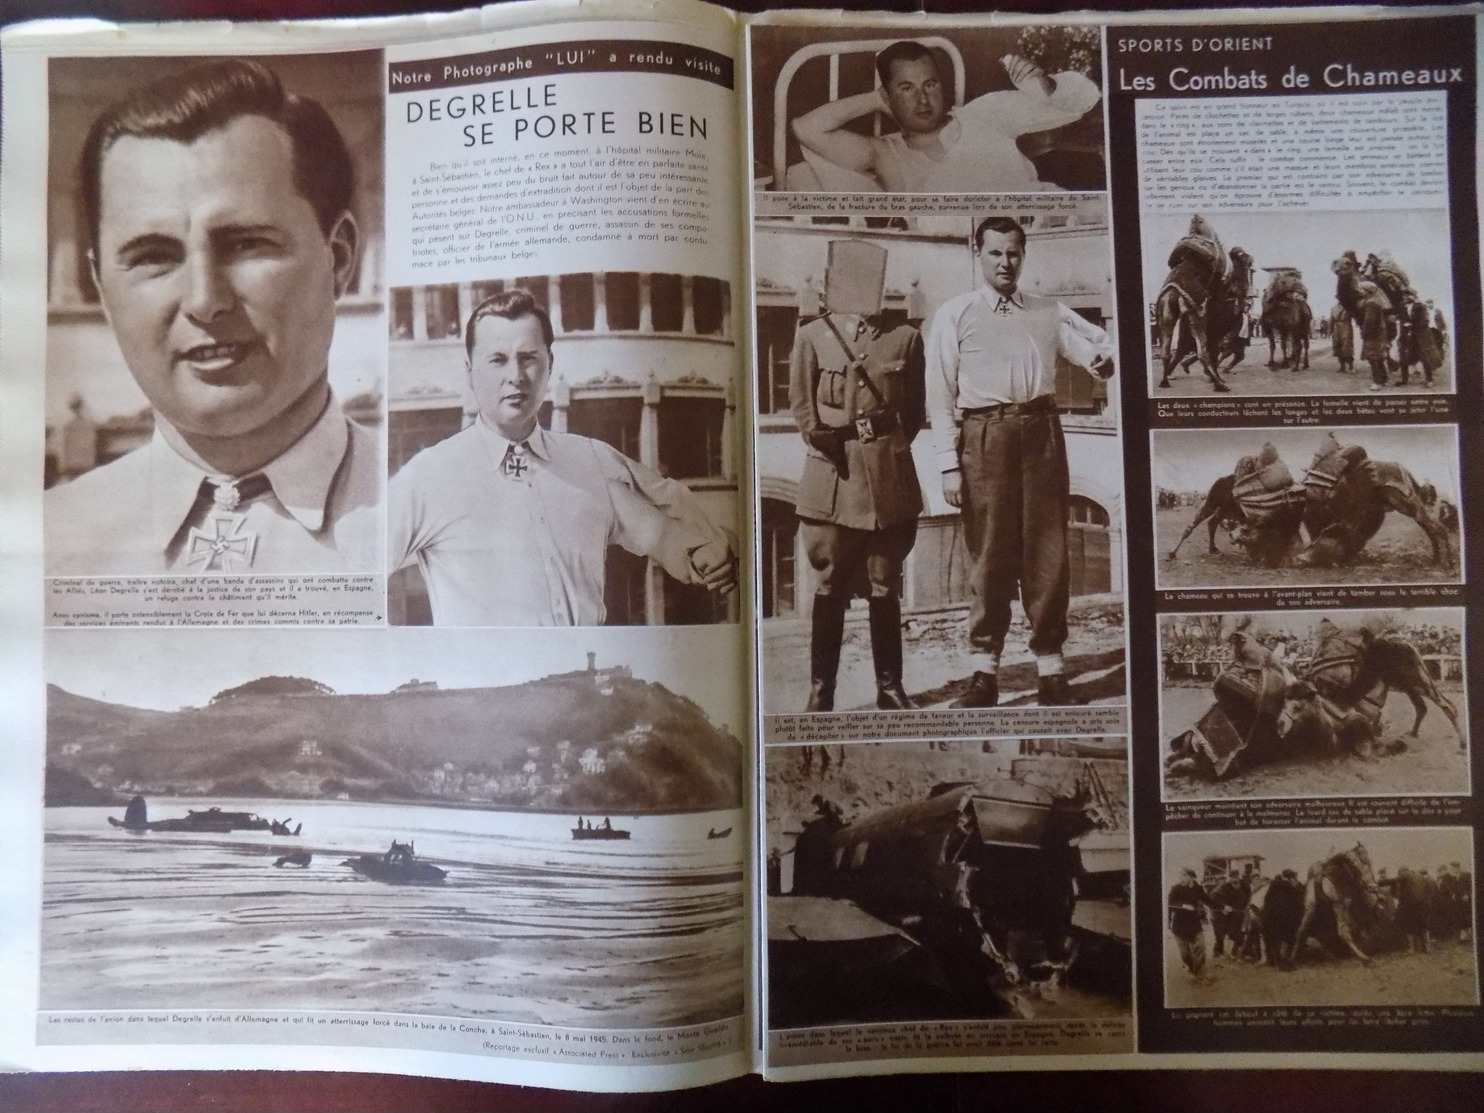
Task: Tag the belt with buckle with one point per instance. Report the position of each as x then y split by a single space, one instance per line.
1045 403
871 427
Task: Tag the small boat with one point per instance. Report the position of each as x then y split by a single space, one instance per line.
300 858
398 866
715 834
604 830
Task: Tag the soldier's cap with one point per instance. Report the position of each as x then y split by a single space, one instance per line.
1188 872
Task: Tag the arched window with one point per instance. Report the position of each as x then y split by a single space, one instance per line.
1089 546
780 530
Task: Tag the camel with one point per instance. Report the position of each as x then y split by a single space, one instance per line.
1288 320
1347 497
1211 331
1371 309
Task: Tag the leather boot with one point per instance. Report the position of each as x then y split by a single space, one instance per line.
983 691
826 632
886 654
1054 691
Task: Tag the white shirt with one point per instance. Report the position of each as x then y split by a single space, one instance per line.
981 155
498 549
134 516
987 350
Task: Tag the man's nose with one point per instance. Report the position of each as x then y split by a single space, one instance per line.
209 291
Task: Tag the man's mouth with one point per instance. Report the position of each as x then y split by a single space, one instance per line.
214 359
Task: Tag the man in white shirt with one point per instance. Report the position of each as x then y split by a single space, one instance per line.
218 212
938 148
510 522
991 369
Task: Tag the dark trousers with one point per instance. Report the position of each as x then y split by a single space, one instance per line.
1015 492
853 562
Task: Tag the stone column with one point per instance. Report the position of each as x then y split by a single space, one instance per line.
646 310
649 424
419 313
554 302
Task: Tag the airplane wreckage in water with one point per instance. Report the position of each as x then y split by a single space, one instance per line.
212 821
981 900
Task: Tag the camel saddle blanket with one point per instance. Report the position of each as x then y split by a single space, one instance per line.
1219 735
1191 284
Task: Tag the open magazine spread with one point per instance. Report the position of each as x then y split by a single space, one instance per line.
613 546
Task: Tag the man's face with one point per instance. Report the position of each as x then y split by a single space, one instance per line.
509 367
1001 255
915 96
215 275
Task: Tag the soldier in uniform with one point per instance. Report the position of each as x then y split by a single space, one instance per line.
857 392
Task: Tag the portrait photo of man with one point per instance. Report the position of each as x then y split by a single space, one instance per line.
511 523
219 223
991 359
963 112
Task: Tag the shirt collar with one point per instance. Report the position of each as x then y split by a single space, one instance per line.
302 476
993 297
536 442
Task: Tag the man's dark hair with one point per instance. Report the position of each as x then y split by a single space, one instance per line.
185 106
1004 225
512 304
907 50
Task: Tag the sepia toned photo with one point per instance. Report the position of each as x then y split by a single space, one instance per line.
215 354
951 880
1299 303
890 577
1285 507
1347 916
1313 703
964 110
563 452
412 821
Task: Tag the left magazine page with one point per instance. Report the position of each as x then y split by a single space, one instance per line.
372 486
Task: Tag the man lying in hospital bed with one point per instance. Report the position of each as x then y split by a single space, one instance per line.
969 149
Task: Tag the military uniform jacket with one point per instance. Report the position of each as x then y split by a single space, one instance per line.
880 489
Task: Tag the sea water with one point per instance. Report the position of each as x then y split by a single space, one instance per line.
530 924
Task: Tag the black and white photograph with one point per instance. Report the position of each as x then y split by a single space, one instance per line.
215 344
858 109
1299 303
428 822
1286 507
891 574
563 452
1314 704
949 880
1343 916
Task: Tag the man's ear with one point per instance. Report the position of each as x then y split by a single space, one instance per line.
345 249
92 255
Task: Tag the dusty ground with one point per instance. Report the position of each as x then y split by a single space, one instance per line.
1252 376
1443 976
1398 554
1433 763
935 653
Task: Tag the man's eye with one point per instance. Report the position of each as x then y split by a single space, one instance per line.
152 258
239 246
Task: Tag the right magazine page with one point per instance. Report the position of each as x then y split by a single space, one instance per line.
1297 228
1113 461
